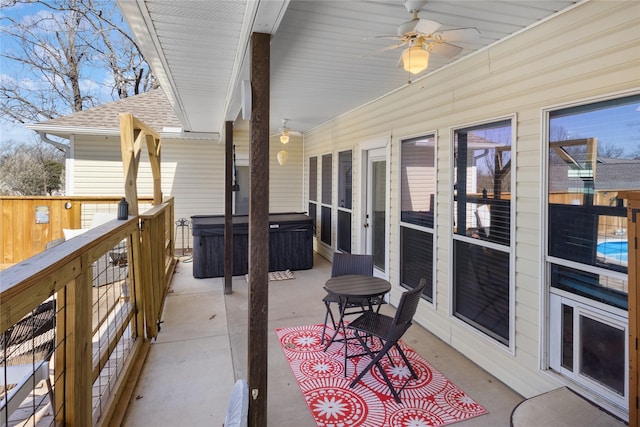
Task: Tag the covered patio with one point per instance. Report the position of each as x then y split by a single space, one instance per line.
357 142
202 348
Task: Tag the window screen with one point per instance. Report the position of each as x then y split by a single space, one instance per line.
593 154
313 191
327 187
417 204
481 284
345 180
345 200
482 227
313 179
416 259
326 179
482 187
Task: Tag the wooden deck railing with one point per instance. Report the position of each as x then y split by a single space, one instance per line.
157 237
103 324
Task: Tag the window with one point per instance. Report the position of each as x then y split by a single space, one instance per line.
482 228
313 190
327 187
345 200
417 203
593 153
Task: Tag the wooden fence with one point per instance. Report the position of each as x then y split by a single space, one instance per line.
28 224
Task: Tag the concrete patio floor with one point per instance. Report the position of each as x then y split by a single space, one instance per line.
202 349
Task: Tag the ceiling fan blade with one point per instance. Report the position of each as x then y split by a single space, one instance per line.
393 46
389 37
384 49
444 49
459 34
288 131
426 26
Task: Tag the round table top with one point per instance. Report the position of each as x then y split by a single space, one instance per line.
357 286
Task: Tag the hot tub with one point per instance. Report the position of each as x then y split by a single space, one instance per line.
290 243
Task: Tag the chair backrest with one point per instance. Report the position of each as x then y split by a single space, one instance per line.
344 264
32 338
407 307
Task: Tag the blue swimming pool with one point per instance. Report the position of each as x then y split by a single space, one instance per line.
615 251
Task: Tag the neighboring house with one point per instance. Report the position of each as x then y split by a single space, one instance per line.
192 165
611 175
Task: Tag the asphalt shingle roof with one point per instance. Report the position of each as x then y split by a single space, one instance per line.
152 107
623 174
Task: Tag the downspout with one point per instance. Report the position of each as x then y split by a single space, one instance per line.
66 149
479 156
62 147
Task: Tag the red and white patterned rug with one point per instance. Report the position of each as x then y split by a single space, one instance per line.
431 400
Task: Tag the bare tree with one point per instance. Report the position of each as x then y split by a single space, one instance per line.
30 169
610 151
68 55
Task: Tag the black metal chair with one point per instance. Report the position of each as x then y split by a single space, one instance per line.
25 351
388 330
342 265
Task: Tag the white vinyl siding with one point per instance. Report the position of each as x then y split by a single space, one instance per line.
286 183
192 172
188 170
589 51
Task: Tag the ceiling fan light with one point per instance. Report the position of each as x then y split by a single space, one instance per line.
282 157
415 59
284 138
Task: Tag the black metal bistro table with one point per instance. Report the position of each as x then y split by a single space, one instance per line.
353 287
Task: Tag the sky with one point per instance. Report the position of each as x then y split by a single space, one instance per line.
95 79
616 126
10 131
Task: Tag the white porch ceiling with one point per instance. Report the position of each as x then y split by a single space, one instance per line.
323 60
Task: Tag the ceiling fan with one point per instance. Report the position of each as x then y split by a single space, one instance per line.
285 132
422 38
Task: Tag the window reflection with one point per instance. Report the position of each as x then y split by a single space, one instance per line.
482 190
417 204
417 181
326 194
594 152
345 196
482 213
